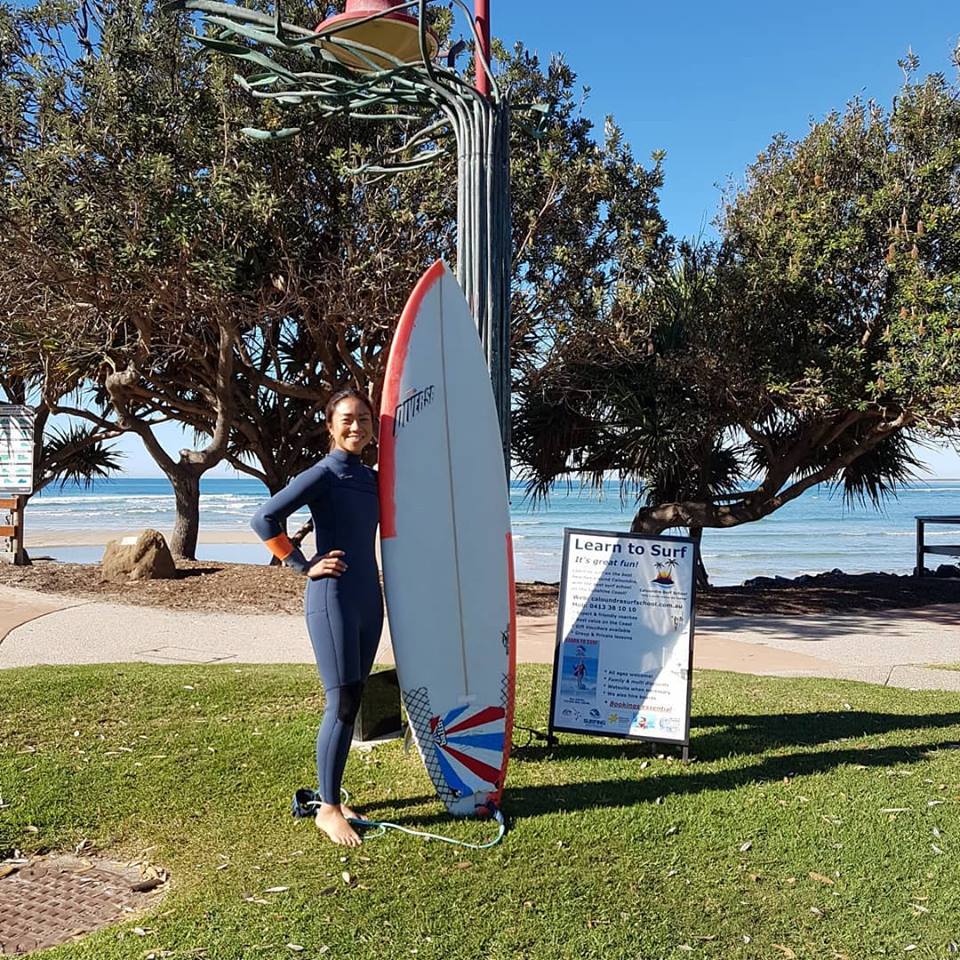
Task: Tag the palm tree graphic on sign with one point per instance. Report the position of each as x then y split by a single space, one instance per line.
665 570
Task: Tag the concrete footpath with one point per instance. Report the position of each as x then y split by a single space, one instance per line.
892 648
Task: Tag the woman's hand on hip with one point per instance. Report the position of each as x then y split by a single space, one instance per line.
329 565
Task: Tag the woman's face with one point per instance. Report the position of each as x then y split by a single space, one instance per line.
351 425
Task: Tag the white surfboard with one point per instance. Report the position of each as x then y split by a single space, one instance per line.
446 546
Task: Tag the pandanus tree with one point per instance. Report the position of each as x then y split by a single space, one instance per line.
180 235
33 290
115 207
575 205
64 452
815 344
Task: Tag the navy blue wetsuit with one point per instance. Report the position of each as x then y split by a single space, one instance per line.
345 613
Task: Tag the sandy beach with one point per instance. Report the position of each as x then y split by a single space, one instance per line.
99 538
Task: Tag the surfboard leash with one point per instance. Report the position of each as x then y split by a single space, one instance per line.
532 735
306 801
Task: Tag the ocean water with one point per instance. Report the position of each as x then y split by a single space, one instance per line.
814 533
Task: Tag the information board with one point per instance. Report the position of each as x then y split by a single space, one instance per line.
624 655
16 449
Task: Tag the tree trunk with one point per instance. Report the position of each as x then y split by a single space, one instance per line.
646 524
127 386
186 528
298 538
703 578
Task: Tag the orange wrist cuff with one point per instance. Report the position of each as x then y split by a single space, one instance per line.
280 547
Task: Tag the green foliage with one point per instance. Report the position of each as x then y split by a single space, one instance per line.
143 218
586 223
75 454
859 223
818 338
619 394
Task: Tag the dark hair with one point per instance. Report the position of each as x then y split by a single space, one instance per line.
345 394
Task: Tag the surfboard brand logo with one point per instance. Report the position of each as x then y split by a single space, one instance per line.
438 730
408 409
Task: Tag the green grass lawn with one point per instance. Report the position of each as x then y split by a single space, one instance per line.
820 820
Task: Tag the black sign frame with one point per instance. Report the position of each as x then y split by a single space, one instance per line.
553 729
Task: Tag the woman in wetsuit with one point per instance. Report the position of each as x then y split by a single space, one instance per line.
343 603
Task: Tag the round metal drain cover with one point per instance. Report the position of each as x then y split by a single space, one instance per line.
53 900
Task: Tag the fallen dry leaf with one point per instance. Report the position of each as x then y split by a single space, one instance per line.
821 878
786 951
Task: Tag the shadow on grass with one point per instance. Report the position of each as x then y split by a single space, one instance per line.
535 801
521 803
749 733
725 736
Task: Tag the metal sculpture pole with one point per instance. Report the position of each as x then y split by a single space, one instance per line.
382 87
484 239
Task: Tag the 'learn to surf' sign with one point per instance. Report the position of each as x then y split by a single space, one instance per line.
624 654
16 449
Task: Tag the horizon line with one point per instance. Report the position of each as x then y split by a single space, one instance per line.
161 476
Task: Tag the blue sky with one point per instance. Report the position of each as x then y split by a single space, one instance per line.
710 83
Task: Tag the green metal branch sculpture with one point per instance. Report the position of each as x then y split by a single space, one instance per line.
479 126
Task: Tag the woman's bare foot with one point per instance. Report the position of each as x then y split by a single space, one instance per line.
331 821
